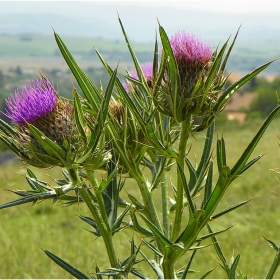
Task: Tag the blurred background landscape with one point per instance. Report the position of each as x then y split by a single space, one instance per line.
27 44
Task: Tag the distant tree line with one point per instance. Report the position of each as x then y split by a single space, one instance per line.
267 95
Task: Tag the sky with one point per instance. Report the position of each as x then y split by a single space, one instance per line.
228 6
99 18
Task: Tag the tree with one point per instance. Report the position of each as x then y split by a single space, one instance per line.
265 101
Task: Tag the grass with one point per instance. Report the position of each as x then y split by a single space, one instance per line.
259 217
26 229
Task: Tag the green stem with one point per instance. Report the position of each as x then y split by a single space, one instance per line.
105 232
102 225
168 269
164 195
148 202
185 131
98 195
137 175
147 197
275 264
142 183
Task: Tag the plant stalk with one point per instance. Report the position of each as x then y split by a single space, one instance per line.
102 225
147 197
168 269
98 195
142 183
164 200
185 132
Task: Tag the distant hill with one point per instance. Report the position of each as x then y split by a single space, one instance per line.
29 51
81 23
100 19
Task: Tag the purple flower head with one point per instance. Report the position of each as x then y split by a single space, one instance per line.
133 74
190 49
36 99
147 70
125 85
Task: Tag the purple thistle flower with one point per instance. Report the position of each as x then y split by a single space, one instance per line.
190 49
147 70
36 99
125 85
133 74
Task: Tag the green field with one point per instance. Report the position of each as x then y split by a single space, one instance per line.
30 51
26 230
40 45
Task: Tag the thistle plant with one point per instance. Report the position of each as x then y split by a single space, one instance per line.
193 58
137 128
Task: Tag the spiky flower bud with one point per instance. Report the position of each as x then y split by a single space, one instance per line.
193 57
38 104
184 93
116 109
58 125
129 133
